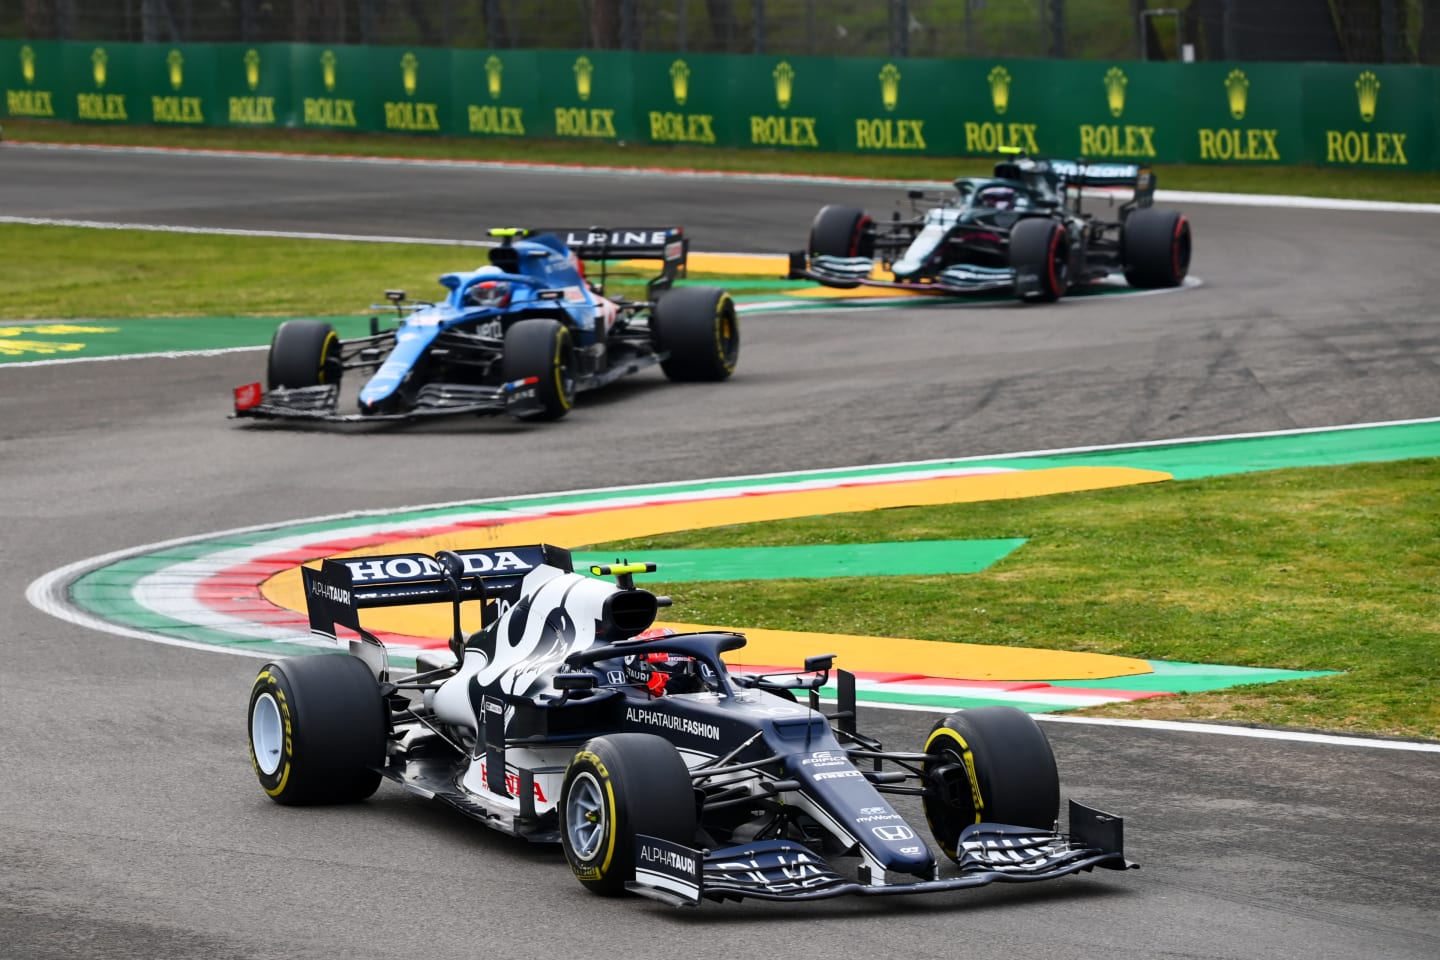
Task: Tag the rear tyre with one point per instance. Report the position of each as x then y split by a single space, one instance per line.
541 347
304 353
696 326
317 730
1156 248
990 764
616 787
1041 245
839 231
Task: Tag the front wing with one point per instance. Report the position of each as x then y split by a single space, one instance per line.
847 273
318 403
782 870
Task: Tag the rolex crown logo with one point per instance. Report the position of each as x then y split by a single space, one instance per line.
408 68
98 59
252 69
176 62
680 81
999 79
890 86
1367 88
1115 82
784 75
27 64
1237 85
327 68
584 70
493 69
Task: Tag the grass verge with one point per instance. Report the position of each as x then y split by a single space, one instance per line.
1309 569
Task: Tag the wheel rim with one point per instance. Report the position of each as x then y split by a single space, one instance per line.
586 820
267 734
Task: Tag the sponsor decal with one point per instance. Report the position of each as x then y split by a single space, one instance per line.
177 110
494 71
328 111
652 854
889 133
999 80
411 566
584 73
893 834
411 116
1116 140
616 238
505 121
1366 147
512 783
873 817
1238 143
670 721
328 591
248 396
252 109
29 103
839 775
825 758
991 137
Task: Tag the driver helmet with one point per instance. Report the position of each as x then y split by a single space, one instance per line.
998 198
489 293
660 672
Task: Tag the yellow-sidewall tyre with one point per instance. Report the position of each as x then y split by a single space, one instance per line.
615 787
318 727
541 347
304 353
697 329
990 765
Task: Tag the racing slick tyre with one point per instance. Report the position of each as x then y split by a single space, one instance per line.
541 347
616 787
317 730
1042 245
696 326
304 353
990 764
841 232
1156 248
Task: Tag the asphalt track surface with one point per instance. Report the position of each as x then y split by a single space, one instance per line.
132 826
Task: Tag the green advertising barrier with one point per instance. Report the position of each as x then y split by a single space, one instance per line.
176 85
1242 113
1147 112
252 82
331 88
1370 116
586 96
101 83
494 93
413 88
33 79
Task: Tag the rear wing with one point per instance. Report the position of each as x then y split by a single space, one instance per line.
669 245
1082 174
337 592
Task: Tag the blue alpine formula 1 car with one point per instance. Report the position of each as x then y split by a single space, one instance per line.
568 718
521 335
1026 231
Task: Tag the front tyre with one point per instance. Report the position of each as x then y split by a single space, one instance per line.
1156 248
317 730
697 328
304 353
541 347
1040 250
839 231
618 786
990 764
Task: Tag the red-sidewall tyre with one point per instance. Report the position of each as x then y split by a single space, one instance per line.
1156 248
840 231
1042 246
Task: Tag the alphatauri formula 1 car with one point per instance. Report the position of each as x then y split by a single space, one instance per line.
1026 231
568 718
521 335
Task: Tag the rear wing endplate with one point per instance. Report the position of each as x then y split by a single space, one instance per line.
1081 174
669 245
